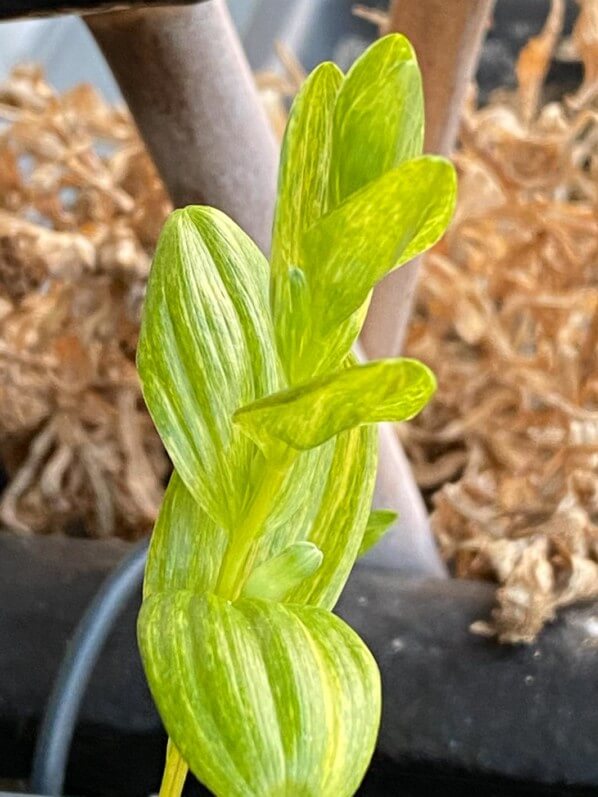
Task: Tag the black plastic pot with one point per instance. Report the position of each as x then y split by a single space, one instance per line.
460 713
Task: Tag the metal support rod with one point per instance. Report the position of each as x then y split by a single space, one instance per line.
186 80
447 37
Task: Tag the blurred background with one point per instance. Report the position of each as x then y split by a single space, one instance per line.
314 30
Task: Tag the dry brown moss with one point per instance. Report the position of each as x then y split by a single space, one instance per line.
80 211
508 319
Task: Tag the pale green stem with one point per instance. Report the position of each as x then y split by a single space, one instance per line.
175 772
233 573
235 570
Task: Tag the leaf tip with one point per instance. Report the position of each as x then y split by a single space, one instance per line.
393 48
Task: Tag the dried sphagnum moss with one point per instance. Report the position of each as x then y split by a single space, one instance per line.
81 207
508 319
80 211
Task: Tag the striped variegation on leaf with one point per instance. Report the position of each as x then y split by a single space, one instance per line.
302 198
304 164
206 347
261 699
306 416
187 546
378 117
405 211
340 522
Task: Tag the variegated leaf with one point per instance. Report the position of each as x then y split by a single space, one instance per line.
261 699
380 227
306 416
304 164
206 348
186 547
302 194
378 116
339 525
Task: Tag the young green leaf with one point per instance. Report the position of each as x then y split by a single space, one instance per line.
187 546
379 521
304 164
380 227
276 577
378 116
302 194
306 416
261 698
337 528
207 347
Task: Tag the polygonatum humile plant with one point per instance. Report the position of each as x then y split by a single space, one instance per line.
268 418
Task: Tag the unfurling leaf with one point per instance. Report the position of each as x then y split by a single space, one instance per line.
304 164
206 348
378 116
306 416
276 577
261 698
379 521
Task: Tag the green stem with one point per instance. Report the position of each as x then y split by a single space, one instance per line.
234 565
233 573
175 772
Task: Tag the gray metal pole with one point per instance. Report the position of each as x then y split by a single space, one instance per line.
447 37
186 80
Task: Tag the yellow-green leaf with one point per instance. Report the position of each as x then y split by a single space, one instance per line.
186 547
302 195
206 348
276 577
377 229
306 416
325 502
379 521
338 527
261 698
304 164
312 352
378 116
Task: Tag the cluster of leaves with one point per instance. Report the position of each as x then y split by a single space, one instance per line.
248 374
